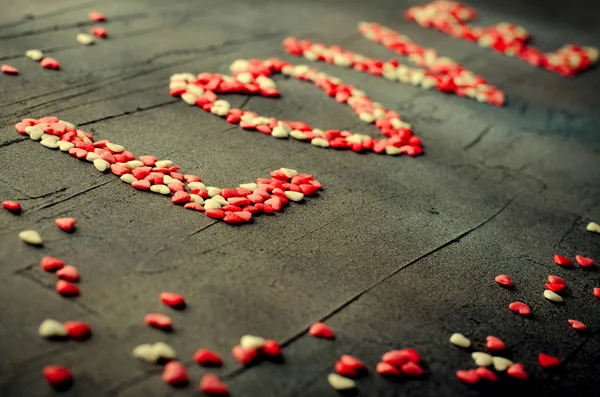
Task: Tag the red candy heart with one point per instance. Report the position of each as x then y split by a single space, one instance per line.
517 371
68 273
175 374
467 376
578 325
556 280
271 348
547 361
207 358
385 369
59 377
51 264
97 16
562 261
520 307
484 373
99 31
320 330
353 362
495 343
65 224
211 385
596 292
554 287
180 197
158 320
244 356
12 206
504 280
583 261
66 289
399 357
78 330
172 299
412 369
345 370
9 69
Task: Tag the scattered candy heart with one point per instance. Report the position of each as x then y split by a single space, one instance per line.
385 369
207 357
501 363
593 227
485 373
555 280
175 374
252 342
411 369
583 261
12 206
399 357
578 325
34 55
59 377
97 16
85 39
66 289
517 371
31 237
552 296
78 330
69 273
482 359
596 292
7 69
271 348
320 330
504 280
460 340
172 299
99 31
146 352
244 356
164 351
340 383
520 307
554 287
50 63
468 376
52 329
65 224
211 385
345 370
547 361
562 261
494 343
158 320
51 264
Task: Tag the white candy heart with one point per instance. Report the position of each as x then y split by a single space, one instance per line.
197 185
279 133
146 352
501 363
213 191
460 340
552 296
164 351
128 178
113 147
299 135
319 142
133 164
366 117
244 77
65 146
85 39
194 198
252 342
219 199
211 204
290 173
163 164
49 143
593 227
249 186
161 189
194 89
31 237
168 179
189 98
482 359
294 196
35 55
52 329
392 150
101 165
220 108
338 382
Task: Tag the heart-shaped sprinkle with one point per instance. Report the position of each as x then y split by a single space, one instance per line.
501 363
207 358
51 264
175 374
271 348
399 357
583 261
12 206
31 237
520 307
97 16
50 63
339 382
85 39
98 31
52 329
552 296
517 371
485 373
554 287
172 299
345 370
180 197
504 280
244 356
164 351
593 227
578 325
34 55
547 361
146 352
7 69
460 340
353 362
66 289
562 261
468 376
66 224
58 377
411 369
385 369
495 343
68 273
482 359
158 320
252 342
211 385
555 280
321 330
78 330
596 292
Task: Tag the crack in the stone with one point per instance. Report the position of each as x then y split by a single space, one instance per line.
478 138
129 112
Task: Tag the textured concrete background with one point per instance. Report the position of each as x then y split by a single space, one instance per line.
396 252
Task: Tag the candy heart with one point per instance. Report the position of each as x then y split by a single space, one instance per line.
211 385
520 307
12 206
554 287
31 237
340 383
547 361
320 330
78 330
50 63
578 325
552 296
158 320
164 351
495 343
207 358
96 16
51 264
593 227
353 362
271 348
146 352
385 369
252 342
412 369
244 356
399 357
52 329
501 363
345 370
504 280
468 376
583 261
59 377
460 340
482 359
67 289
517 371
562 261
555 280
485 373
9 69
175 374
68 273
65 224
172 299
596 292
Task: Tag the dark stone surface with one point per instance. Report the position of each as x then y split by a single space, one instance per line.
396 252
